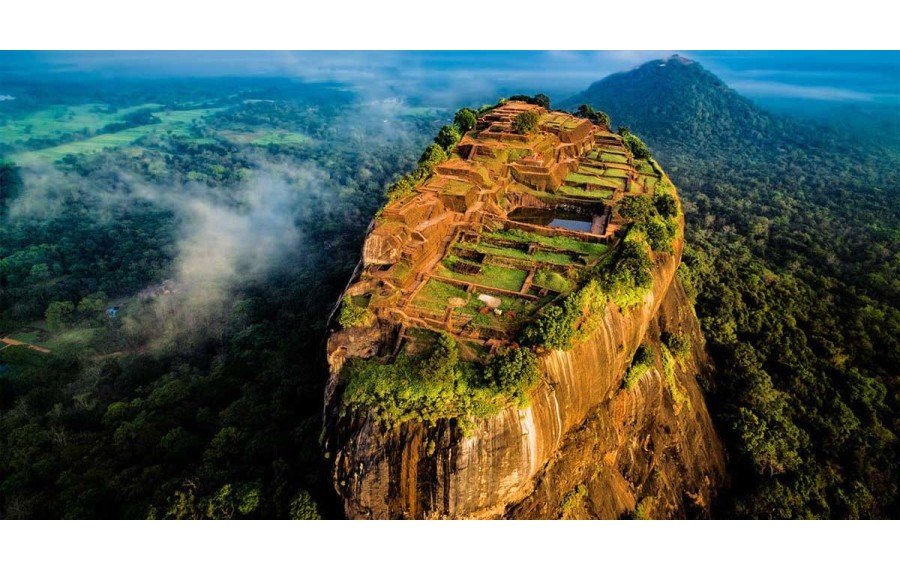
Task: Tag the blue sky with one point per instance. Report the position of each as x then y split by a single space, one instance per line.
847 76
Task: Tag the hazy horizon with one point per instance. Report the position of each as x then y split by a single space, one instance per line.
449 77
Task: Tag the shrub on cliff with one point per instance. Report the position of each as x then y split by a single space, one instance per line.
514 372
679 344
579 316
634 144
539 99
553 329
641 362
665 204
432 155
660 235
438 385
630 278
635 208
352 315
588 112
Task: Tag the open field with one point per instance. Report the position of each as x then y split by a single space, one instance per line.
613 157
61 120
176 123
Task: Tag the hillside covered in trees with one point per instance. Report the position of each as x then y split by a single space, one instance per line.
793 256
202 396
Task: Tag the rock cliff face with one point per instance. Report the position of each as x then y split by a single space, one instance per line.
585 447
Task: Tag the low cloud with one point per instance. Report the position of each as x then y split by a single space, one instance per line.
226 238
787 90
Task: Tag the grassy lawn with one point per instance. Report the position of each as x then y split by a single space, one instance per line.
435 295
589 170
584 179
590 249
516 312
644 167
582 193
616 173
280 137
613 157
30 337
457 187
513 253
577 178
505 278
71 340
649 182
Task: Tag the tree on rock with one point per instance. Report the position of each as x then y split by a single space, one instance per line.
526 122
588 112
542 100
635 207
432 155
447 137
465 120
634 144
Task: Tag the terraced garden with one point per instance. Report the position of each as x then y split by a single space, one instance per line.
591 250
487 248
497 277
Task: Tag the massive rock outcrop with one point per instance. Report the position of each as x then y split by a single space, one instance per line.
586 446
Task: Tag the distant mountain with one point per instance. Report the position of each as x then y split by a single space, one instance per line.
676 104
792 231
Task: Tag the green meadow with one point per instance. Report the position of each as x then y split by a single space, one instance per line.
175 123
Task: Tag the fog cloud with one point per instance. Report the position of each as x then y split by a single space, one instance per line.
226 238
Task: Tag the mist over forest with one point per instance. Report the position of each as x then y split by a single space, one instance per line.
174 246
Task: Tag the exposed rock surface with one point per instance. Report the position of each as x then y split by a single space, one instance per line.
583 428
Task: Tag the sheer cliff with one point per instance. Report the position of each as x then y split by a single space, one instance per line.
516 343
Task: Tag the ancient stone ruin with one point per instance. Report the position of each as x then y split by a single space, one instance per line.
507 215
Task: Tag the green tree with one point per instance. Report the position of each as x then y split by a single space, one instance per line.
526 122
588 112
542 100
634 144
91 308
552 329
352 315
637 208
448 137
516 372
465 120
433 154
303 508
59 314
665 204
